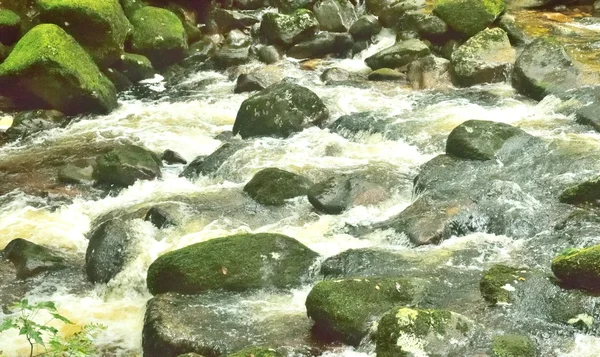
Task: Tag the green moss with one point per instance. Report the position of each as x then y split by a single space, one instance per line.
9 18
135 67
469 16
579 268
585 192
50 64
289 29
494 280
235 263
513 346
344 309
256 352
159 35
273 186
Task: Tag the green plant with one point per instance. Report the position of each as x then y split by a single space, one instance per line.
46 337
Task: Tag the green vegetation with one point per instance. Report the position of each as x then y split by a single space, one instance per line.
512 346
469 16
579 268
492 284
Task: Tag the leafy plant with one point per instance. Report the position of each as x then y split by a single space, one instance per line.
42 335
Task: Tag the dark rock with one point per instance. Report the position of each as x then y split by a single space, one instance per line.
393 10
398 55
200 52
222 21
365 27
108 250
206 165
159 218
469 17
498 282
289 6
587 192
4 52
249 4
124 165
335 15
365 122
268 54
430 72
589 115
359 46
135 67
321 45
544 68
34 121
235 263
189 20
74 174
386 74
171 157
231 55
427 26
344 310
273 186
118 79
480 139
279 110
10 27
335 195
367 262
31 259
248 83
448 48
513 346
515 34
287 30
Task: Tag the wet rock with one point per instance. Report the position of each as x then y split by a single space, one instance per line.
393 10
189 20
135 67
587 192
344 310
386 74
440 332
589 115
231 55
279 111
579 268
513 346
235 263
268 54
430 72
259 79
248 83
335 15
338 193
249 4
273 186
108 250
30 122
498 283
222 20
427 26
361 122
469 17
159 35
159 217
118 79
596 9
359 46
10 27
321 45
333 75
48 68
256 352
206 165
31 259
448 48
171 157
287 30
199 52
485 58
516 36
398 55
366 262
365 27
544 68
289 6
75 175
124 165
480 139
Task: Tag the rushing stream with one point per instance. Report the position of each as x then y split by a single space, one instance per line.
189 124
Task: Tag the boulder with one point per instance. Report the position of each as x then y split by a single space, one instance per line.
579 268
587 192
287 30
48 68
159 217
544 68
321 45
486 57
338 193
230 55
109 249
159 35
124 165
118 79
335 15
403 331
386 74
248 82
289 6
393 10
430 72
365 262
31 259
172 157
99 26
30 122
75 174
480 139
279 110
335 75
222 21
10 27
469 17
398 55
189 20
513 346
515 34
199 52
273 186
427 26
349 125
268 54
344 310
206 165
589 115
499 281
135 67
365 27
235 263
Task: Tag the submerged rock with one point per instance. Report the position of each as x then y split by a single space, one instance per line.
579 268
398 55
279 111
287 30
206 165
75 174
48 68
338 193
273 186
469 17
344 310
498 283
108 250
10 27
34 121
334 15
235 263
587 192
31 259
513 346
124 165
172 157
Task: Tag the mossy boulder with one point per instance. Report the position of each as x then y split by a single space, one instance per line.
100 26
48 68
30 122
405 332
427 26
587 192
124 165
279 111
579 268
486 57
287 30
236 263
135 67
31 259
498 282
159 35
513 346
468 17
344 310
10 27
256 352
273 186
398 55
480 139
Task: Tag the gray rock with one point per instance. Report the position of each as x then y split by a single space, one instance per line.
200 52
207 165
386 74
30 122
74 174
430 72
427 26
338 193
365 27
109 248
393 11
124 165
268 54
398 55
273 186
222 21
321 45
31 259
335 15
515 33
287 30
289 6
334 75
590 115
171 157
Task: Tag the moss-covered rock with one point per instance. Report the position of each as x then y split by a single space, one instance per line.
30 122
256 352
398 55
159 35
344 310
31 259
135 67
393 10
513 346
498 282
235 263
49 68
587 192
486 57
386 74
287 30
124 165
468 17
273 186
404 332
10 27
188 20
579 268
427 26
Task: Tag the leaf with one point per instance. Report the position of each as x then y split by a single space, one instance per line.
46 305
6 325
62 318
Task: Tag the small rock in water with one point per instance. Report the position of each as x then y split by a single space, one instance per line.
335 15
273 186
365 27
398 55
332 75
124 165
206 165
513 346
269 54
31 259
496 284
159 218
248 83
386 74
430 72
171 157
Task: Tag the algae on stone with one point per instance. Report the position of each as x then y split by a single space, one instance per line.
513 346
579 268
10 27
273 186
468 17
497 283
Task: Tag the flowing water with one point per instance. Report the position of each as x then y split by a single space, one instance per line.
189 124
